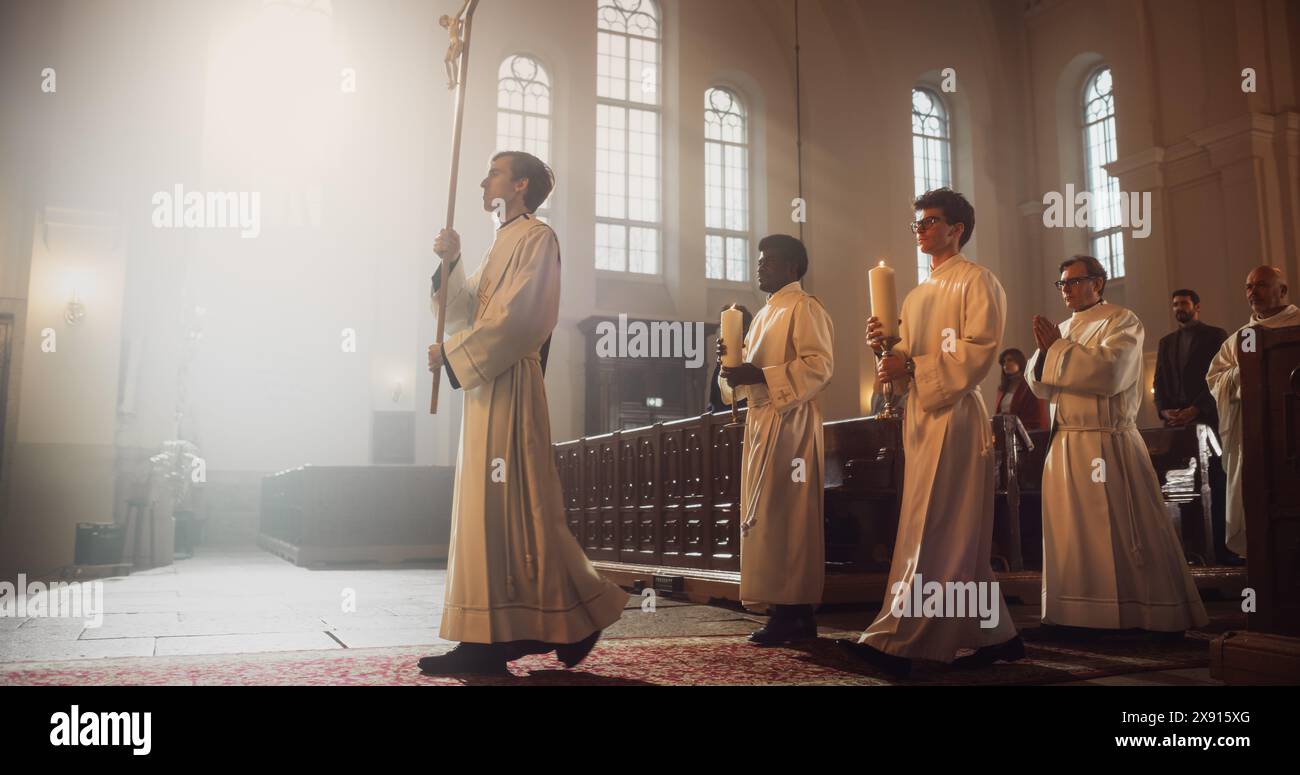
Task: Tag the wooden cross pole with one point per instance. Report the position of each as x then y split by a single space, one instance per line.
457 60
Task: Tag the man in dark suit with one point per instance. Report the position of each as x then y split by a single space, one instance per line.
1182 395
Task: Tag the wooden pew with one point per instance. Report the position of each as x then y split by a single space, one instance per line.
317 515
1269 652
658 505
864 488
1181 457
664 495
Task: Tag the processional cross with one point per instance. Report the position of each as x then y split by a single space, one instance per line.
457 64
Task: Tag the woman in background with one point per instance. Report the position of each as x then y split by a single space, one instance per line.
1013 392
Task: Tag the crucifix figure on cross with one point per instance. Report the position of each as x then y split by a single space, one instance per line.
454 26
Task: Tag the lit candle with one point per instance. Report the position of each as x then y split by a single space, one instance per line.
733 336
884 300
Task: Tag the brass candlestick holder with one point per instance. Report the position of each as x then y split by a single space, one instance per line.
735 421
889 412
735 413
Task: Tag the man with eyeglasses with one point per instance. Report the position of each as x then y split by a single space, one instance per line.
1111 559
951 329
1266 292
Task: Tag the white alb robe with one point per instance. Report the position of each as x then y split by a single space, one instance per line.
1111 558
1224 379
514 571
782 546
952 328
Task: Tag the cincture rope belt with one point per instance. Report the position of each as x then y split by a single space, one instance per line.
754 403
1132 519
987 442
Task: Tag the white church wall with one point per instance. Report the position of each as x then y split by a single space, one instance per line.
78 151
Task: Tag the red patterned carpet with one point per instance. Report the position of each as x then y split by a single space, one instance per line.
672 661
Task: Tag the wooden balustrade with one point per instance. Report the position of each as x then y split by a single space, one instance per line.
662 499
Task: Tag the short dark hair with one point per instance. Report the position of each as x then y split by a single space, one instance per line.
955 210
1189 293
541 179
1094 267
786 247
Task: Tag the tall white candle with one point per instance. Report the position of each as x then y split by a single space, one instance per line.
733 336
884 299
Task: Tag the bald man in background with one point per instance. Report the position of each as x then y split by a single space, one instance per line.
1266 292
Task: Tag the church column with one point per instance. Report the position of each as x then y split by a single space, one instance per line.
1147 257
1243 152
1030 292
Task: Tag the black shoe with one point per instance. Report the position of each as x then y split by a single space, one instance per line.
779 632
786 625
807 627
573 653
517 649
806 623
898 667
467 659
1007 651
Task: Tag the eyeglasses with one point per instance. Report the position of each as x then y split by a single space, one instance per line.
924 223
1074 281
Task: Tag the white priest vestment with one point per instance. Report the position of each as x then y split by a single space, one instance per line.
782 546
1111 558
952 326
514 571
1224 379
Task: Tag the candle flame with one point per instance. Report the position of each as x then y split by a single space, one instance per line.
882 262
